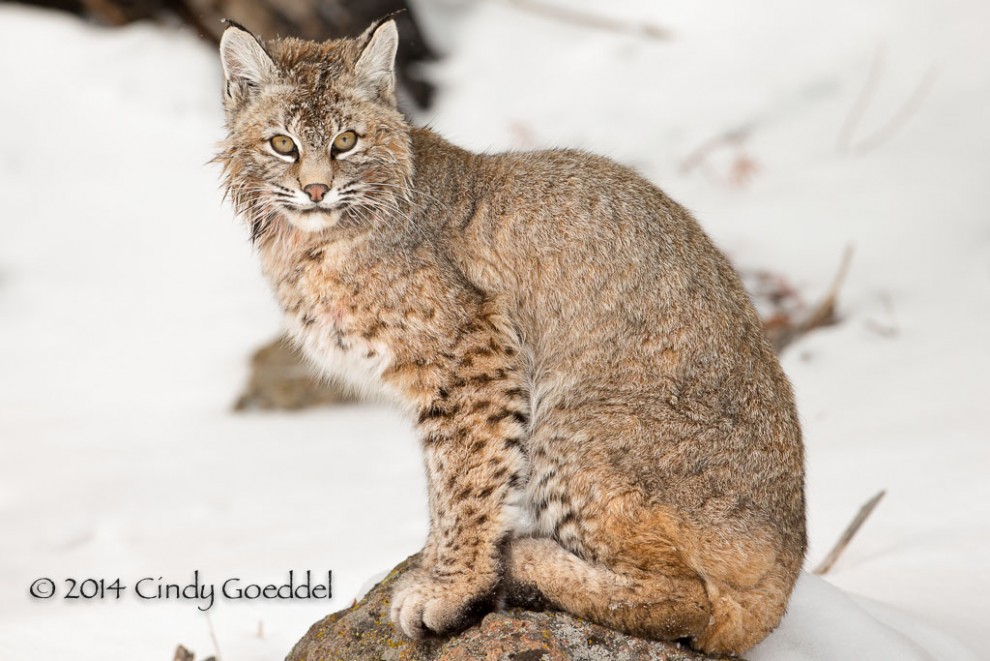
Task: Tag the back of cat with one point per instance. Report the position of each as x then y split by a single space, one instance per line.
604 424
649 372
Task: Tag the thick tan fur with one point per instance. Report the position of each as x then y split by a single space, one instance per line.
602 418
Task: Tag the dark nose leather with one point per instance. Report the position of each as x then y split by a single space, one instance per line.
316 191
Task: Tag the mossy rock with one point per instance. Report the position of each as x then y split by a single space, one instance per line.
364 632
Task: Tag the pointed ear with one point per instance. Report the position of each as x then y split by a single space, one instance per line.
246 65
375 68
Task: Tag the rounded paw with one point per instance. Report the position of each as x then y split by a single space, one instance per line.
422 605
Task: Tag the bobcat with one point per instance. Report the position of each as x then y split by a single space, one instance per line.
604 424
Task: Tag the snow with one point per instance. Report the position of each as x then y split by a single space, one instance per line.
130 298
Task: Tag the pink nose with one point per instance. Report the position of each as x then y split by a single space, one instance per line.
316 191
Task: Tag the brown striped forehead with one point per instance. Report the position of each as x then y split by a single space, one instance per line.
311 65
316 79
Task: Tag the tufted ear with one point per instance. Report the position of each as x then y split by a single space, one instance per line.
246 65
375 68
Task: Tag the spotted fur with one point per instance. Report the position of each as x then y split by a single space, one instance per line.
604 424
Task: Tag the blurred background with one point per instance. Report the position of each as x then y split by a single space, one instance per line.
837 152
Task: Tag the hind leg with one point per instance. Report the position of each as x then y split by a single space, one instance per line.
667 603
647 604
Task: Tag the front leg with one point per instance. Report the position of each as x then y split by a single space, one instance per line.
473 428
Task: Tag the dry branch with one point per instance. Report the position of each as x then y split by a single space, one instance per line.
850 532
844 143
593 21
732 137
824 312
887 130
899 118
887 328
784 331
213 637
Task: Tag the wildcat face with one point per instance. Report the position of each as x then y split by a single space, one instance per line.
314 136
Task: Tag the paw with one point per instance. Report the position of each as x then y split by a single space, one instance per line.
422 605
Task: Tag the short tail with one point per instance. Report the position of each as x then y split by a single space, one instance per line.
669 605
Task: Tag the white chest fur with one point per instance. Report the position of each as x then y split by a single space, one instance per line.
298 271
356 362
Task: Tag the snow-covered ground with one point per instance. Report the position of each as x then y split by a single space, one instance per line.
129 300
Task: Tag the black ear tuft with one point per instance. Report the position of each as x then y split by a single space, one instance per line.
375 68
371 29
231 23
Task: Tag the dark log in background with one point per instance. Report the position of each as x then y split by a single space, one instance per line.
310 19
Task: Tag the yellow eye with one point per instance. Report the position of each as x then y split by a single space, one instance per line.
283 144
345 142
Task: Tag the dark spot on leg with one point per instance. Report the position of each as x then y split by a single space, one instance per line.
513 444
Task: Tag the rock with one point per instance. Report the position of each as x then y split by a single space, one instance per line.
182 654
281 379
364 632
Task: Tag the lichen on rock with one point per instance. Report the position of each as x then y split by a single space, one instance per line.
364 632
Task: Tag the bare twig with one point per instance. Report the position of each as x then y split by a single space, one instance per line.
850 532
213 637
821 315
732 137
884 328
899 118
844 142
594 21
824 312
